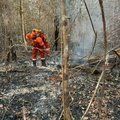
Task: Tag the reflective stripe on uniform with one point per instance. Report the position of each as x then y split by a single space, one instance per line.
33 59
42 58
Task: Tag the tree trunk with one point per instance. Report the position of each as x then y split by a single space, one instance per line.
22 23
102 88
56 23
10 53
65 56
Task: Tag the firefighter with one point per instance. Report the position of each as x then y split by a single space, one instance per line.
38 40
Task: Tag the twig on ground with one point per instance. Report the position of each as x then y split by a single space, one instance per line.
60 115
116 54
24 113
95 91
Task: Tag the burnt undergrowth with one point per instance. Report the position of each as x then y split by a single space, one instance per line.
38 91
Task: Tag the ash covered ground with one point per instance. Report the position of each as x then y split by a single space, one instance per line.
38 91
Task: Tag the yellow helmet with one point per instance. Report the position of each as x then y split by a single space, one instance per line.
37 30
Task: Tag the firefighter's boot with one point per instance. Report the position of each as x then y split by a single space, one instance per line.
43 62
34 63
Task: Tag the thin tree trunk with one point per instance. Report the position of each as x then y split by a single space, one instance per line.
65 57
39 10
101 91
22 23
92 28
10 54
56 24
104 28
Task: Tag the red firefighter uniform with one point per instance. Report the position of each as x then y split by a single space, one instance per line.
40 45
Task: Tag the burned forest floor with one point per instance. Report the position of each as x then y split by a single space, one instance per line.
30 93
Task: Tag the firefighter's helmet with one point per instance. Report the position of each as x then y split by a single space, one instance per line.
37 30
